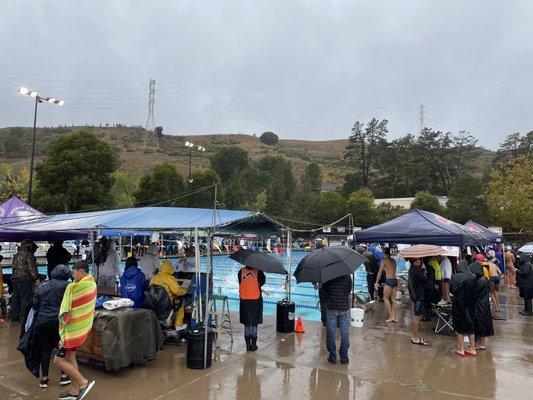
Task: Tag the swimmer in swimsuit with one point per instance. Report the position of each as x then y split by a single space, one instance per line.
388 266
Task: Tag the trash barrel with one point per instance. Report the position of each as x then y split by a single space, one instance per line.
195 348
285 316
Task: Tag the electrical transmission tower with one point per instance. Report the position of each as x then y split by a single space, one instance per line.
150 134
422 117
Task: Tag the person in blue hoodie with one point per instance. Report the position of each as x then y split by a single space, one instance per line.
133 283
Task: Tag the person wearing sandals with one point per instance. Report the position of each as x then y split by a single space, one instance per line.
46 302
483 319
463 288
76 315
417 291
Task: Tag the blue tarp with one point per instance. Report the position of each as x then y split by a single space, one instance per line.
154 219
420 227
490 236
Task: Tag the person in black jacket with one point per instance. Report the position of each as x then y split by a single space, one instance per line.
524 279
417 292
463 288
337 292
483 320
56 255
46 303
372 269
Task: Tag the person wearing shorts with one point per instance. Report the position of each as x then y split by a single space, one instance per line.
388 268
417 292
446 270
494 284
65 357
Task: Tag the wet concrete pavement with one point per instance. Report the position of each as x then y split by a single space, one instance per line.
383 365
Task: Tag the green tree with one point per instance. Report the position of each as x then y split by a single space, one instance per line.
203 179
427 202
328 207
311 179
510 194
361 205
76 174
281 184
228 160
124 187
386 211
241 191
14 143
468 200
13 182
163 186
515 145
399 168
352 182
269 138
364 144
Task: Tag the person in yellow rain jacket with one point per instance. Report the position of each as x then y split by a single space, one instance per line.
165 279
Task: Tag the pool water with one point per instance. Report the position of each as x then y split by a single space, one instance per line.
304 295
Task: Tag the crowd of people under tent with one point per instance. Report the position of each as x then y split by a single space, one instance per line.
469 283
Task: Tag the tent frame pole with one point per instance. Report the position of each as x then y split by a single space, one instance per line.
209 269
91 241
198 293
289 260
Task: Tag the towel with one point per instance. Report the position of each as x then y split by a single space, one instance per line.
77 312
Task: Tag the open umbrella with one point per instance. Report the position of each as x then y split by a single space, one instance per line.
263 261
421 250
527 248
328 263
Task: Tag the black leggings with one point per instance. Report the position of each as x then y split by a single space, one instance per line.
47 338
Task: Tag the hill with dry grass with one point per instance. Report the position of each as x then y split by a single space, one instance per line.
16 148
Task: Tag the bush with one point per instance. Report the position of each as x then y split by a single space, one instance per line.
269 138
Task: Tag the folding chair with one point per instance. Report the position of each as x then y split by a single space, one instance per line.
444 320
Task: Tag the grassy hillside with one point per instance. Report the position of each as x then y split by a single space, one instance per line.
16 146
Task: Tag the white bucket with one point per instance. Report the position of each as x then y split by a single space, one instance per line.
357 316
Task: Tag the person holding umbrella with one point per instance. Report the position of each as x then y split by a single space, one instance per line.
251 278
251 303
330 268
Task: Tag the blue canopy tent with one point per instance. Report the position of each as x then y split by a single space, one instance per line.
487 234
152 219
421 227
158 219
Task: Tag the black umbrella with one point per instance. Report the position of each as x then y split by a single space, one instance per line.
328 263
264 262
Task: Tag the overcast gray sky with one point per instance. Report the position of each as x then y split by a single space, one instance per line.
303 69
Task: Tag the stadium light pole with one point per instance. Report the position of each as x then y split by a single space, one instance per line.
38 99
190 146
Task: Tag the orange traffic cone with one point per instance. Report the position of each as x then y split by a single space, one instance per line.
299 325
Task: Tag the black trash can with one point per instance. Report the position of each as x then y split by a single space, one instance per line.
195 348
285 316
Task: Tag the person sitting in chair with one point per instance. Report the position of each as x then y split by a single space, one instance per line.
166 280
133 283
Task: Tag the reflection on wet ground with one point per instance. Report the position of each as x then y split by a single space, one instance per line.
384 365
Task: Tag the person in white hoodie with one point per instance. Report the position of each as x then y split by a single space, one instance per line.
149 262
109 270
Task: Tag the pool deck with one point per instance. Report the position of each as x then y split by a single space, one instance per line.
383 365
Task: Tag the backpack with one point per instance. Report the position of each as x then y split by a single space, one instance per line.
158 300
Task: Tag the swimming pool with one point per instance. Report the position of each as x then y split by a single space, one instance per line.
304 295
